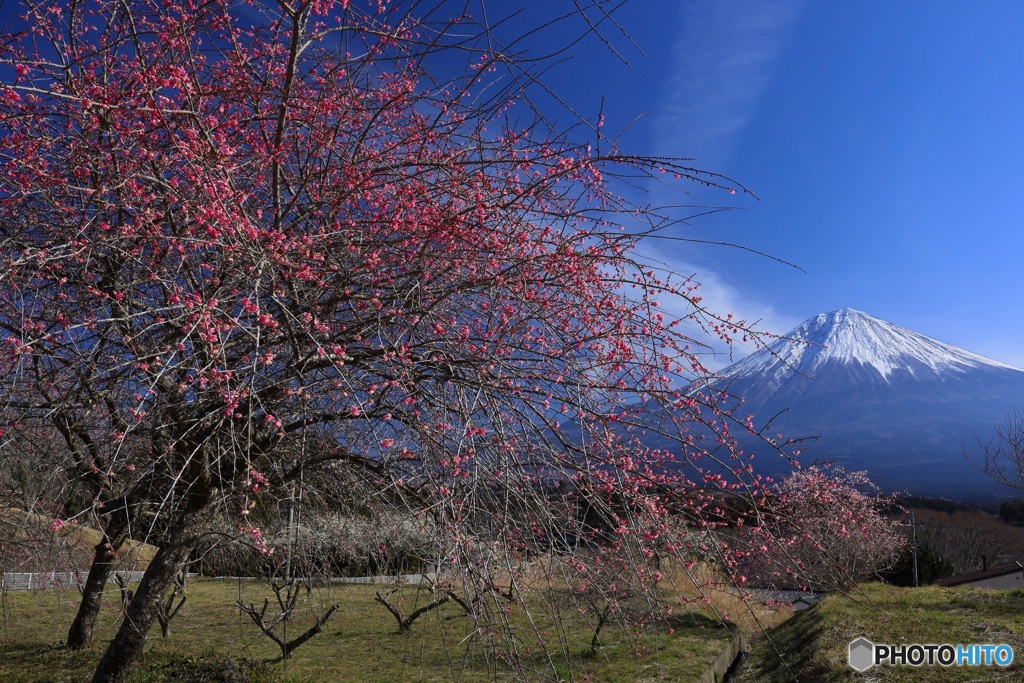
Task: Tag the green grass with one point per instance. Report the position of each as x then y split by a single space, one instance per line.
813 645
210 638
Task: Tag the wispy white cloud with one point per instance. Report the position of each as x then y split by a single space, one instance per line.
721 297
722 64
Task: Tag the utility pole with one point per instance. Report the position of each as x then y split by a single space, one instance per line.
913 544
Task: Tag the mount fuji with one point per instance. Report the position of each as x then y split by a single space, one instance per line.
878 397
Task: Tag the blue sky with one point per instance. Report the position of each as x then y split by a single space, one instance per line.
884 141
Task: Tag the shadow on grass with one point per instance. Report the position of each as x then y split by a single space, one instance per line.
788 650
208 668
693 621
48 661
43 662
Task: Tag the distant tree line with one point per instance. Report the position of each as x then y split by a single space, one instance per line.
1012 511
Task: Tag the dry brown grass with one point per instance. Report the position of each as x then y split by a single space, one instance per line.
703 589
69 547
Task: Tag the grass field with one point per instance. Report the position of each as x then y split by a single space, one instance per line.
210 639
813 645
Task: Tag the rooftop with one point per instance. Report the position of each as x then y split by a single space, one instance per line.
981 574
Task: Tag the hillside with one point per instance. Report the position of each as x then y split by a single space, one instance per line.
813 645
60 550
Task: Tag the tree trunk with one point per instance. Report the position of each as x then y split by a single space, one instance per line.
80 633
126 648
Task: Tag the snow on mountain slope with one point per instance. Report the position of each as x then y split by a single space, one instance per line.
851 337
876 396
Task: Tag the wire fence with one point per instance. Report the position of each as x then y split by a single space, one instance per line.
25 581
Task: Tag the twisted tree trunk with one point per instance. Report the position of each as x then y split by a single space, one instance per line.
104 557
126 648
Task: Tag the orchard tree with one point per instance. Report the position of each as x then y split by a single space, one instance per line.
243 241
824 528
968 539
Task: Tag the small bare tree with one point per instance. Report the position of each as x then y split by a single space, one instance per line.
288 592
396 607
1003 459
175 599
968 539
123 580
611 592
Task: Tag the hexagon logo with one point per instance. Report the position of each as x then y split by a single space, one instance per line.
862 654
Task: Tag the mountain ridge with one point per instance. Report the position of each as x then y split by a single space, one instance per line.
879 397
848 335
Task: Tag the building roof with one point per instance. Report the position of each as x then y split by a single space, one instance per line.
981 574
796 598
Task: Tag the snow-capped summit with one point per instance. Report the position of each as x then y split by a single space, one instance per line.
879 396
862 342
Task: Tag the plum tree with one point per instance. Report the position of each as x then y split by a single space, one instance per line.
825 528
243 241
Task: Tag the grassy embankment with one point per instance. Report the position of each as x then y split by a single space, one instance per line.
360 642
813 645
43 548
